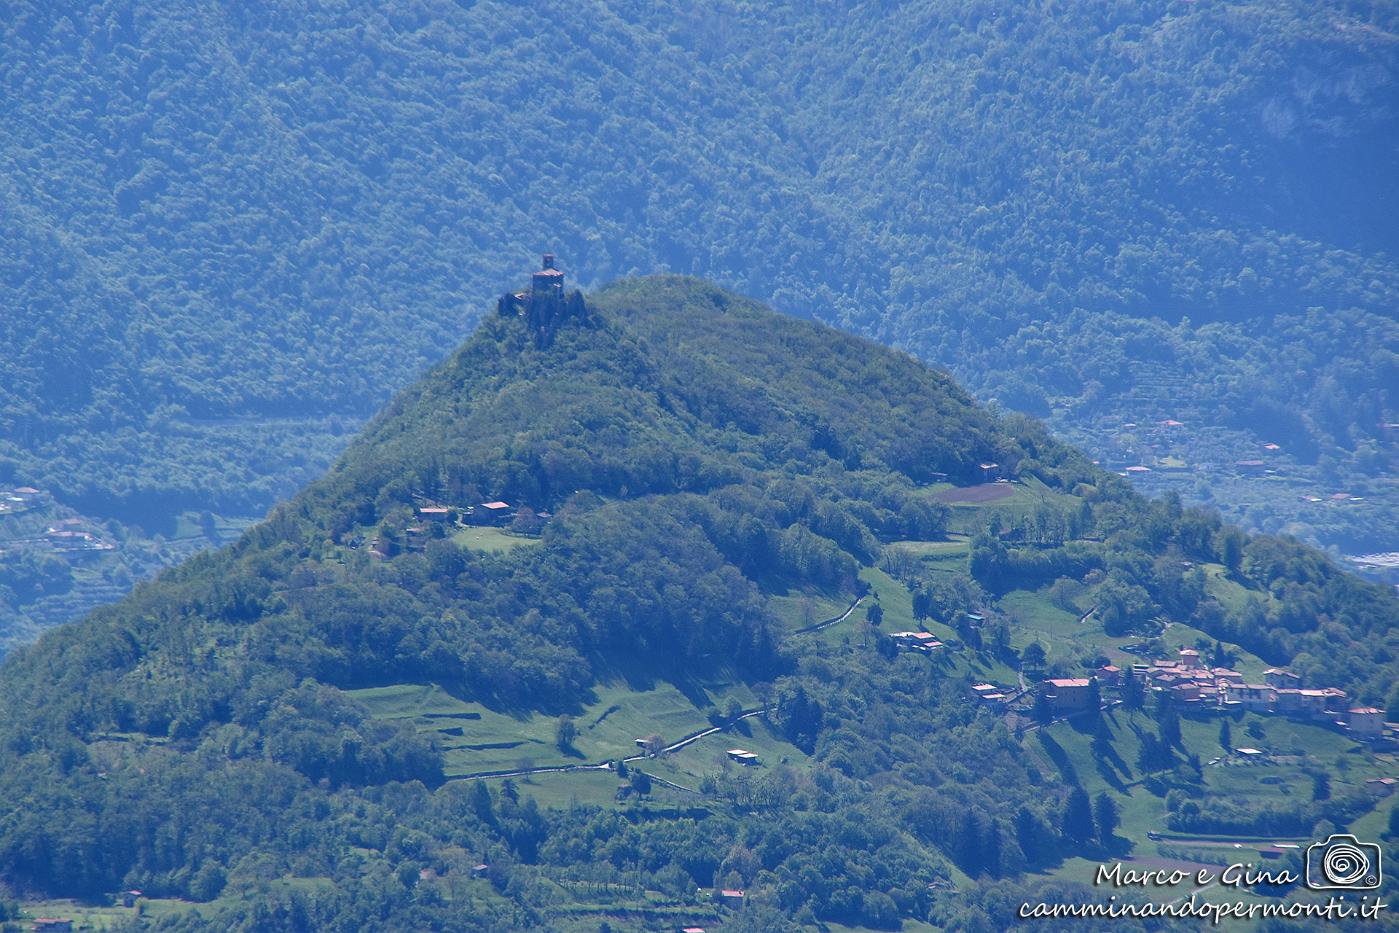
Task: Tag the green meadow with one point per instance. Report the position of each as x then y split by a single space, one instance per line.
491 540
476 738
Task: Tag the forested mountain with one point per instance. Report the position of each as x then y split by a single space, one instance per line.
297 731
232 231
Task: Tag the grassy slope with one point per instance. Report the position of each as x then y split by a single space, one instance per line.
1064 749
607 727
621 712
491 540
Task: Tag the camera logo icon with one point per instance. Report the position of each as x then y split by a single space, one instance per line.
1343 862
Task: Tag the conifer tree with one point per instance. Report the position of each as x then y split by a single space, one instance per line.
1077 821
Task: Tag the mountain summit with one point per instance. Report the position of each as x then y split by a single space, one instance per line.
617 584
545 304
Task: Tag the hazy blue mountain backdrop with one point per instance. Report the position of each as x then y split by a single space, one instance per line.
231 231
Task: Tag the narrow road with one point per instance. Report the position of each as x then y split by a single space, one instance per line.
829 622
695 736
672 785
555 769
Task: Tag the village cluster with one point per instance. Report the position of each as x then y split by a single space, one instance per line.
1190 683
1193 685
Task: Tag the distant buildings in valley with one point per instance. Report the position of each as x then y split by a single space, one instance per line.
69 536
21 499
1141 449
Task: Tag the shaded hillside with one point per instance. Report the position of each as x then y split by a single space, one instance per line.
219 217
692 478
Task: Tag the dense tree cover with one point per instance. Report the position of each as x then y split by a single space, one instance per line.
697 454
231 231
690 454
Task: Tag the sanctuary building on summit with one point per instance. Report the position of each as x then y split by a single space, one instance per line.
545 305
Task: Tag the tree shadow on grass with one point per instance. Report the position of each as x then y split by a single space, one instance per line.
1107 770
1056 754
1110 764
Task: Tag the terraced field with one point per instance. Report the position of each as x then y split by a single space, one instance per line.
972 506
1295 751
478 739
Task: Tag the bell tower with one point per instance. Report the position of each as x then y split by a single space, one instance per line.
548 280
545 305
